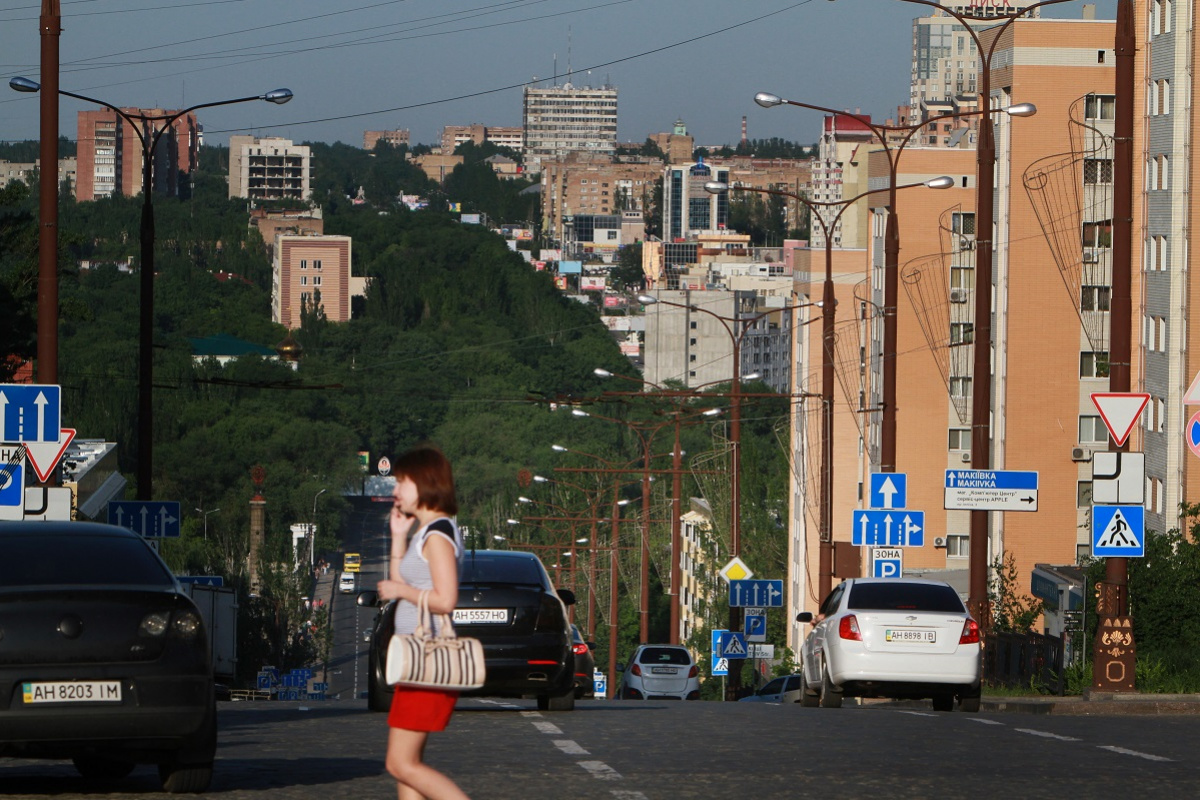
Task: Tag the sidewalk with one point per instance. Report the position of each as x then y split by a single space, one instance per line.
1098 703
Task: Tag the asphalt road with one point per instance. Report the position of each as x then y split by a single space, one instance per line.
679 751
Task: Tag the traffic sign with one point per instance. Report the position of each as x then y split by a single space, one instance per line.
756 628
201 580
768 593
1118 478
47 503
720 666
991 490
733 645
1193 433
900 528
599 683
12 486
760 651
1118 531
29 412
1192 396
44 456
887 562
150 518
1120 411
889 490
736 570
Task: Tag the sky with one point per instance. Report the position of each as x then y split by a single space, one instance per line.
423 64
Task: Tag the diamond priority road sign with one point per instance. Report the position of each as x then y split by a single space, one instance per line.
991 490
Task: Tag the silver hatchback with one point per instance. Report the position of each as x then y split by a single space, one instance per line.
660 671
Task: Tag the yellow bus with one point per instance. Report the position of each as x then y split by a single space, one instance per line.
352 562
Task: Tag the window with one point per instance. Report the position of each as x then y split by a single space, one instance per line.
316 280
1083 494
1097 170
1097 234
692 325
962 332
958 546
960 438
1100 106
962 277
316 263
1095 298
303 263
960 387
304 280
1091 429
1093 364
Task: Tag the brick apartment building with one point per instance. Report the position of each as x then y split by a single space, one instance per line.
109 155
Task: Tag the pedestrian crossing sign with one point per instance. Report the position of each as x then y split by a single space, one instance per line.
1118 531
733 645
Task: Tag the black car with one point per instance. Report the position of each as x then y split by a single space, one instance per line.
507 601
585 665
104 660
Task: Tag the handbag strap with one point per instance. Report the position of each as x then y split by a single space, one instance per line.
425 625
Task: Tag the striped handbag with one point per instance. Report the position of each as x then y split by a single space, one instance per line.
444 661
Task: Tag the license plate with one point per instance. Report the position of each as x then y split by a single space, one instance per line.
663 670
480 616
910 635
72 692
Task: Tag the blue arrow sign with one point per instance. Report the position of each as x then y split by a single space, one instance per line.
991 479
150 518
889 490
30 413
898 528
766 593
202 580
1118 531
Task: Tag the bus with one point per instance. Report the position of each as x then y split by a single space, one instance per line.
352 562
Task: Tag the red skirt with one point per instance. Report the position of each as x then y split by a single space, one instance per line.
417 709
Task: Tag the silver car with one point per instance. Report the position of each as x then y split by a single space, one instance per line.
660 671
784 689
895 638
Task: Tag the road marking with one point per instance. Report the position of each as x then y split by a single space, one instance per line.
1125 752
531 714
570 748
600 770
984 721
547 727
917 713
1032 732
622 795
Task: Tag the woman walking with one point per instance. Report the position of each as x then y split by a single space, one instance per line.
427 561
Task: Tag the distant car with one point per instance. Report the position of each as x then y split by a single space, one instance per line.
506 600
104 660
660 671
892 637
347 584
784 689
585 665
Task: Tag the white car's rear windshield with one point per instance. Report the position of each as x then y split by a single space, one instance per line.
904 597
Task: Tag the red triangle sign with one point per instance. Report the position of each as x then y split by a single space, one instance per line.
1120 412
44 456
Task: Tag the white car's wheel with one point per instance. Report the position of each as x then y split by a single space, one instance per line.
831 695
810 698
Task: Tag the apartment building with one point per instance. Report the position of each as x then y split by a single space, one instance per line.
677 145
309 271
269 168
843 145
395 138
587 183
109 154
454 135
561 119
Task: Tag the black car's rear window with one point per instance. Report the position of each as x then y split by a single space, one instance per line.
665 655
480 568
904 597
72 559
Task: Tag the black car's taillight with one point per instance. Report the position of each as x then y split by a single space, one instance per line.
184 624
550 615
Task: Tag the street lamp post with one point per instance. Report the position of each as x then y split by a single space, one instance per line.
205 515
149 133
828 320
312 527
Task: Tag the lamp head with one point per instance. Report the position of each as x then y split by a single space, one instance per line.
752 376
510 522
278 96
1021 110
768 100
579 412
523 499
541 479
944 182
558 448
601 372
716 187
24 84
646 299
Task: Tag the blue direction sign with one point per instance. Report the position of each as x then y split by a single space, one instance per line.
991 490
30 413
899 528
12 485
889 490
202 580
1118 531
719 665
150 518
733 645
766 593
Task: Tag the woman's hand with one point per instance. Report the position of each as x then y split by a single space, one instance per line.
391 589
400 522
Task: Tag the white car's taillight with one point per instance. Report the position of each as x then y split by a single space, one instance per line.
970 632
848 628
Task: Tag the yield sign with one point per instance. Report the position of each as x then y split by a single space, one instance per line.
1192 396
1120 412
44 456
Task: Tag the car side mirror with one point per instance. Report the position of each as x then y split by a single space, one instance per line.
367 599
804 616
567 596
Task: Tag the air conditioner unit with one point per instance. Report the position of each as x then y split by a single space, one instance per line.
1091 257
1080 454
966 244
958 295
940 542
966 457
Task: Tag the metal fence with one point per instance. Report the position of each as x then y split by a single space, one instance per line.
1024 659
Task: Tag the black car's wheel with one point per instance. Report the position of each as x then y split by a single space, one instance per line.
831 695
564 703
943 702
378 696
95 768
185 778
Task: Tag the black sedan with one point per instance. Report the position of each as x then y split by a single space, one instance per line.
103 659
507 601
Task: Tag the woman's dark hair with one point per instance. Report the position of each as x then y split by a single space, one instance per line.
430 471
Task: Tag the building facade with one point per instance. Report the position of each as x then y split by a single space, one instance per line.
310 271
583 183
562 119
454 135
394 138
109 154
269 168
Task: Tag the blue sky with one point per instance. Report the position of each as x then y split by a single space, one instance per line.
385 64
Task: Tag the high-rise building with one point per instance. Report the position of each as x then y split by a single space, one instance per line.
687 206
562 119
844 144
454 135
311 271
395 138
269 168
110 153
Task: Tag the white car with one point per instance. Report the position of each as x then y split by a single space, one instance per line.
346 584
892 637
660 672
784 689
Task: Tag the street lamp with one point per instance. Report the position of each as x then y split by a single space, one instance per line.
828 319
149 133
312 527
205 514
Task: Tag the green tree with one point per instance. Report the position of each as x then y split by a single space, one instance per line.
1013 611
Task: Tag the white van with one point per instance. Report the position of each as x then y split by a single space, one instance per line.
346 584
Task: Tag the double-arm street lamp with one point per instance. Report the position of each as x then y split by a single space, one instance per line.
205 514
149 129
